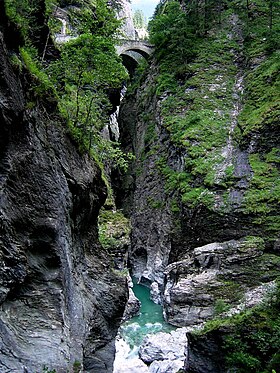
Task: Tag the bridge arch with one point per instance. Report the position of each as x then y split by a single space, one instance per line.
139 46
132 52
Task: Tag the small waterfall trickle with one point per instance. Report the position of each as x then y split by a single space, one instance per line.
111 131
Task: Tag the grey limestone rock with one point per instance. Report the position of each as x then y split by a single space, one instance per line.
219 272
60 302
125 13
133 303
165 352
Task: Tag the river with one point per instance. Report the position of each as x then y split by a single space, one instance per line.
132 332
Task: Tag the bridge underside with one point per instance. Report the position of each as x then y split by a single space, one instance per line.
130 63
141 47
133 52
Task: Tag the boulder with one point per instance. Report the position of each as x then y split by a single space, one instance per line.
165 351
215 278
133 304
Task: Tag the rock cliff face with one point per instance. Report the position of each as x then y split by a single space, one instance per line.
60 301
145 196
125 14
170 222
194 191
218 277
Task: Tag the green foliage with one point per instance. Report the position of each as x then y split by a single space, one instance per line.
139 20
138 78
252 342
80 79
96 18
173 36
41 81
194 92
220 307
261 20
16 62
21 12
260 114
263 197
114 229
252 242
193 83
87 68
262 108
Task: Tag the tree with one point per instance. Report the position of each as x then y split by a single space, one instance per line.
88 67
139 20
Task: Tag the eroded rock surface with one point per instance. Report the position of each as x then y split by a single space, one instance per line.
133 303
217 276
165 352
143 195
60 302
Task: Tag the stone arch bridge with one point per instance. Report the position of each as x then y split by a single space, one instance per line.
133 51
141 47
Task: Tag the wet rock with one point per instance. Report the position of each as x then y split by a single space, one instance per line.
165 366
165 352
208 351
133 304
142 192
155 293
204 355
126 361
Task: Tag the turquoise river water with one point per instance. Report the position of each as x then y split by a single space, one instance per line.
149 321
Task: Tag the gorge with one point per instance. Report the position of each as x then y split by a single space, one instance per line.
185 198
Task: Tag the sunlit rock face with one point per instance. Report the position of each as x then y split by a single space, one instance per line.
165 352
60 302
219 278
125 13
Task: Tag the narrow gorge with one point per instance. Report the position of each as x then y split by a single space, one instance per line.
179 191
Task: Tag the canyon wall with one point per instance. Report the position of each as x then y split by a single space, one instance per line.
202 193
61 301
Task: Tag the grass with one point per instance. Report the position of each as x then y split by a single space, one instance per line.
114 228
191 117
249 341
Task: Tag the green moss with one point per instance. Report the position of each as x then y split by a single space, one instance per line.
194 91
252 242
16 62
253 343
196 196
249 340
227 291
263 197
190 115
150 133
262 108
174 206
41 82
114 228
273 156
220 306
